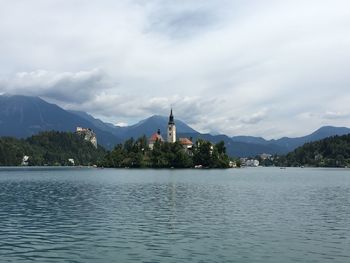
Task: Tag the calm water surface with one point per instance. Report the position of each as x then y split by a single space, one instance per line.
237 215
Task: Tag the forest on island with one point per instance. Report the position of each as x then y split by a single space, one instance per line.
137 154
55 148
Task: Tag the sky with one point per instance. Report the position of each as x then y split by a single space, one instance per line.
240 67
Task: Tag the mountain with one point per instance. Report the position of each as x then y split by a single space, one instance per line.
49 148
237 149
285 144
292 143
250 139
329 152
150 125
107 127
145 127
24 116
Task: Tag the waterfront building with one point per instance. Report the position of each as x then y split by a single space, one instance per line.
249 162
265 156
25 160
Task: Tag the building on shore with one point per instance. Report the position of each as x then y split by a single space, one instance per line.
25 160
249 162
266 156
88 135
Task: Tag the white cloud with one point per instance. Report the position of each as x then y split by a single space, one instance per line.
219 63
64 87
255 117
336 115
122 124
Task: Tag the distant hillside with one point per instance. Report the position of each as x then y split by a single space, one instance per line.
330 152
144 127
107 127
285 144
237 149
49 148
24 116
150 125
250 139
292 143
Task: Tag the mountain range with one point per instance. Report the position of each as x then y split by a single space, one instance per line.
24 116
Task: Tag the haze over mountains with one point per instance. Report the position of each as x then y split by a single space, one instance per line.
23 116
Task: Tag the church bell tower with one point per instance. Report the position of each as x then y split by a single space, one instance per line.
171 128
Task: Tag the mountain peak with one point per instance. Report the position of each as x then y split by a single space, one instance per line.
149 125
331 130
23 116
19 96
329 127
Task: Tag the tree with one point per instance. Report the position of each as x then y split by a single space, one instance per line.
221 147
50 148
166 155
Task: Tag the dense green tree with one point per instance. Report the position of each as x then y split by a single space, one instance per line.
221 147
211 156
55 148
166 155
49 148
329 152
202 153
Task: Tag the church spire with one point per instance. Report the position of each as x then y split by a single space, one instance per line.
171 128
171 117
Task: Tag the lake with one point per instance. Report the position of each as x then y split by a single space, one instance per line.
124 215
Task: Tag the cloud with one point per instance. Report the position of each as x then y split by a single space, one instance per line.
122 108
330 115
218 62
183 20
122 124
64 87
254 118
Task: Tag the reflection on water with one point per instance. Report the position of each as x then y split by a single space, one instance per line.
248 215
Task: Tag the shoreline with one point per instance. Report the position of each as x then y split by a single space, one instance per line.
41 168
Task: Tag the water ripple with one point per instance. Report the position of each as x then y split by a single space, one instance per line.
248 215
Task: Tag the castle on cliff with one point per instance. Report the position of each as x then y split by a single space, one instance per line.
88 135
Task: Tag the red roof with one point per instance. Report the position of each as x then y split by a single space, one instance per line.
156 137
185 141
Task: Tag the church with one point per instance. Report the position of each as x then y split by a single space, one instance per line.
171 136
171 128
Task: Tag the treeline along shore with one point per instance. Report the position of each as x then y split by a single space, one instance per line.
329 152
55 148
51 148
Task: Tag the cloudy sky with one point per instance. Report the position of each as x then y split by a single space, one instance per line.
268 68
